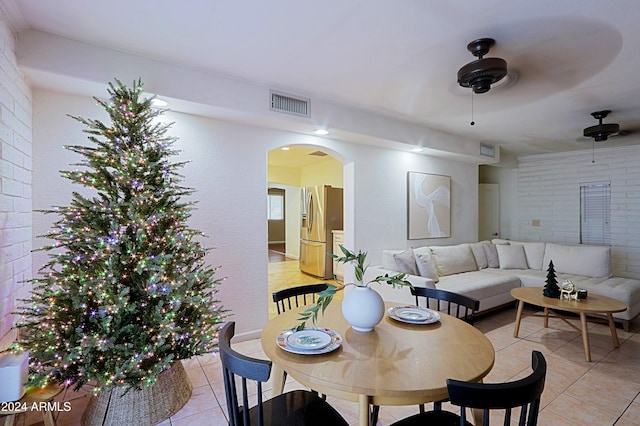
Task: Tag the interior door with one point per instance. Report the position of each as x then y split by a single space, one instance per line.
488 211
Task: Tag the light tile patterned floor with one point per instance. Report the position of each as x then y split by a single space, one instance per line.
603 392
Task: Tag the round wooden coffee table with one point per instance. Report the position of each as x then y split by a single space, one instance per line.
594 304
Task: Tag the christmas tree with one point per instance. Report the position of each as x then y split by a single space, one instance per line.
125 291
551 288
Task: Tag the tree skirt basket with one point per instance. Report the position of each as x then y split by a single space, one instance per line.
146 407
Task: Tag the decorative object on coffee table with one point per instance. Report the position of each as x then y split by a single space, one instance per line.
126 293
551 288
570 291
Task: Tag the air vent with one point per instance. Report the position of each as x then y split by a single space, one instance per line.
289 104
318 153
487 150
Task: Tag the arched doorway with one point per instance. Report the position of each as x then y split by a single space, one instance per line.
290 169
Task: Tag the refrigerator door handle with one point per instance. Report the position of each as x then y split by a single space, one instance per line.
310 212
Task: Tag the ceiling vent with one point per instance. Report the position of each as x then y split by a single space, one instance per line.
290 105
318 153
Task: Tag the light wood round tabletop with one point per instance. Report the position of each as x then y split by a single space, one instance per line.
395 364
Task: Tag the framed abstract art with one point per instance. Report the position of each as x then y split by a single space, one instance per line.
428 206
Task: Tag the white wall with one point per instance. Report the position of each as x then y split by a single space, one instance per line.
381 199
229 171
15 185
548 189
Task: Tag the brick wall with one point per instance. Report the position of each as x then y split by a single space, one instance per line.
15 184
548 190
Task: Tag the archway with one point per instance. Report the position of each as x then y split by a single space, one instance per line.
291 168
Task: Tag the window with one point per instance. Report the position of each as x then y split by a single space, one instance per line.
595 213
275 207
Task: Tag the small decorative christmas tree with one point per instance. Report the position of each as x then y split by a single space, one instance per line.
125 292
551 288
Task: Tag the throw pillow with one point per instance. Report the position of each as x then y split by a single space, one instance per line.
499 241
534 251
426 265
511 257
453 259
479 254
406 262
492 255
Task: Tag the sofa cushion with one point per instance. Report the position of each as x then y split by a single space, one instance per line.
453 259
492 255
591 261
534 251
406 262
511 256
426 265
479 254
481 284
531 277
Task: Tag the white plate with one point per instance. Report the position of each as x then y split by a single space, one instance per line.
308 339
336 341
413 314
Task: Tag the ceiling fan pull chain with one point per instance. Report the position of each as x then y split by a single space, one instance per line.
593 151
472 122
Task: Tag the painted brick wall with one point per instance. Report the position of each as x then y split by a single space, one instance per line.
548 190
15 184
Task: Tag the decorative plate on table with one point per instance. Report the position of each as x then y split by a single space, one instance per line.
310 341
413 314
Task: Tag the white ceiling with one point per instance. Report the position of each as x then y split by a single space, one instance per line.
391 58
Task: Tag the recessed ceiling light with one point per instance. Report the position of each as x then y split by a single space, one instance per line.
416 150
159 103
321 132
285 148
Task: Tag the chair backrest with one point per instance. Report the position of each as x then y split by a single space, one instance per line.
300 296
458 305
248 369
524 393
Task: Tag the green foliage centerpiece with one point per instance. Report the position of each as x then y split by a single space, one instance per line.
126 292
358 261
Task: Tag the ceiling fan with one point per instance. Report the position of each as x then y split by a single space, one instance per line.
483 72
602 132
480 74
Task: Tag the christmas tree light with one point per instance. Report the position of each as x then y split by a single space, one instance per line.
126 290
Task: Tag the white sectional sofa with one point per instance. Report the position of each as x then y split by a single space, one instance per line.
488 271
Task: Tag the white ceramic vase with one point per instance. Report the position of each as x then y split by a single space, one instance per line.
363 308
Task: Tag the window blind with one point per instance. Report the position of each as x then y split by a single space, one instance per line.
595 213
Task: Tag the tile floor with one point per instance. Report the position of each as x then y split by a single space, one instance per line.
603 392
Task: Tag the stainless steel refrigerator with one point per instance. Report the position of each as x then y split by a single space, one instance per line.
321 213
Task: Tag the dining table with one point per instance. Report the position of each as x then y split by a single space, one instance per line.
397 363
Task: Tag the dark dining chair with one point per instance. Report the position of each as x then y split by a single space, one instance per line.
455 304
295 408
296 296
521 397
